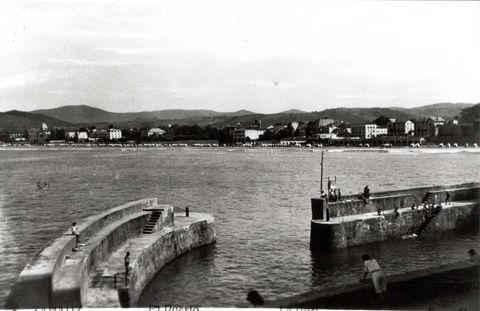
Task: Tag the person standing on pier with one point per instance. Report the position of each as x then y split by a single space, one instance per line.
366 194
255 299
378 277
127 265
473 256
447 198
76 234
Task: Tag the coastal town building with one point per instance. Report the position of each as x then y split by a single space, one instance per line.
156 132
450 129
242 132
294 125
39 135
325 122
326 136
427 127
82 136
381 131
71 132
109 134
45 129
33 135
241 135
330 128
401 128
12 135
302 128
364 131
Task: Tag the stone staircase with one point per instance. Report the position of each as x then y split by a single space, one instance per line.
426 198
428 219
152 221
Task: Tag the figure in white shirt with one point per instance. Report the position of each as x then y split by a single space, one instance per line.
75 233
378 277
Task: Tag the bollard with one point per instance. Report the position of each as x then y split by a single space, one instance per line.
327 214
187 211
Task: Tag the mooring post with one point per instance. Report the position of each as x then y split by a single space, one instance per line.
321 176
187 211
327 210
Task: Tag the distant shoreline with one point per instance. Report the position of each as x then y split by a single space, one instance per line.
337 148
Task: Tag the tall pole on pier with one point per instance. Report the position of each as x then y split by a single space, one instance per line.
321 175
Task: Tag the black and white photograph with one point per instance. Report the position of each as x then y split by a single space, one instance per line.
189 155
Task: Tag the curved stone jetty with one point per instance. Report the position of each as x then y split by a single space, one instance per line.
93 274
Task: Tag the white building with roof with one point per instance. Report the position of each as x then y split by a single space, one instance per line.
364 131
156 132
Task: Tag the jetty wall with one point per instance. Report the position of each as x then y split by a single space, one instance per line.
351 204
70 283
34 286
171 245
353 223
426 282
342 234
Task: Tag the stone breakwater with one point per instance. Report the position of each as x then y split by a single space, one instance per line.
93 274
352 222
403 288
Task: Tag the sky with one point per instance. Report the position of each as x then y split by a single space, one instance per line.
264 56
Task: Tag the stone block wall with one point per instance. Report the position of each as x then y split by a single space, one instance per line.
391 199
74 292
337 234
171 245
33 287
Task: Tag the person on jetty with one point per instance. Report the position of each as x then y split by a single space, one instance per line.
365 195
378 277
366 192
473 256
126 260
254 298
447 198
76 234
323 195
395 211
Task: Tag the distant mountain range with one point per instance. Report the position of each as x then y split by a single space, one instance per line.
86 115
15 119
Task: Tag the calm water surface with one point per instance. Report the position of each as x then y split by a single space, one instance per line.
260 199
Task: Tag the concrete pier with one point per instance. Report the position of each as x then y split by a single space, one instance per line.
402 288
93 274
352 222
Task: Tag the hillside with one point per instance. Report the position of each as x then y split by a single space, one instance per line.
87 115
444 110
358 115
349 115
19 119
